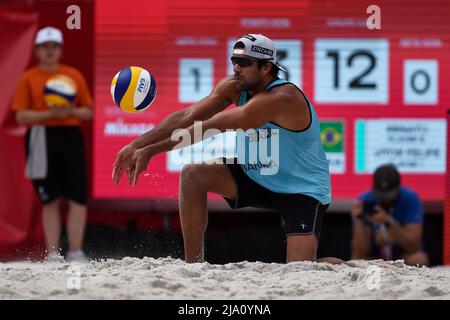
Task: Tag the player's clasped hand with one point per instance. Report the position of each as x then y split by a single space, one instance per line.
61 112
132 161
138 165
123 163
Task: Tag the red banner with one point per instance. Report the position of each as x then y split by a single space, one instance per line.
19 220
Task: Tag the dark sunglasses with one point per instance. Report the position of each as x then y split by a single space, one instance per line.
241 62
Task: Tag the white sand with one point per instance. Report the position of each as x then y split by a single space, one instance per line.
167 278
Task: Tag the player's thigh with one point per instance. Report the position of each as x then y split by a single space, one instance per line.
212 177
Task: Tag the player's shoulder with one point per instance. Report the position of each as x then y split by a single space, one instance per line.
287 92
284 88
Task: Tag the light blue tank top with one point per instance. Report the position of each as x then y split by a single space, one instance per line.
283 160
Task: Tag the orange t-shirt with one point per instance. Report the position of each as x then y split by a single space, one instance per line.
29 94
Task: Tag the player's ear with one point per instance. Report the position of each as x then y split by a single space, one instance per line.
267 67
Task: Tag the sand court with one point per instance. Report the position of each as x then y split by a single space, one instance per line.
168 278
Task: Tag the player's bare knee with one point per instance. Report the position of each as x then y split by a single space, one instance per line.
188 172
191 175
52 204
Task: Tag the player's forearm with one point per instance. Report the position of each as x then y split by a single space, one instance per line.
164 129
201 130
185 137
31 117
82 113
202 110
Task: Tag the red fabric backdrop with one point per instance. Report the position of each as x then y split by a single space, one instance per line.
20 229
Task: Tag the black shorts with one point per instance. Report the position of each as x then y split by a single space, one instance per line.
66 165
300 214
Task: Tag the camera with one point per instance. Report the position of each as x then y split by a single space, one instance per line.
369 208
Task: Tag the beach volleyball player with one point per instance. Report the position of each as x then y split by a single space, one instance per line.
299 190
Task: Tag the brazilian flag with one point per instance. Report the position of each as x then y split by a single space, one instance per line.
332 134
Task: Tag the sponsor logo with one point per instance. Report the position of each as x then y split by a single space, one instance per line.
303 226
121 129
262 50
258 165
141 85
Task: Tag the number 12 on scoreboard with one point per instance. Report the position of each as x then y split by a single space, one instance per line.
351 71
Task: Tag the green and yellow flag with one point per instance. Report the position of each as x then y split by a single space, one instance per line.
332 133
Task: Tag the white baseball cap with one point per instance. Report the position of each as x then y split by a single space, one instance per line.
256 46
48 34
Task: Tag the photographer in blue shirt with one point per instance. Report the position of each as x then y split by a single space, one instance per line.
388 220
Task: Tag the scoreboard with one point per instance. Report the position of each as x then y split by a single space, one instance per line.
381 94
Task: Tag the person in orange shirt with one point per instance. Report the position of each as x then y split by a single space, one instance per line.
54 144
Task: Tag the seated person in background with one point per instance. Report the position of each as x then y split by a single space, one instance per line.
387 221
